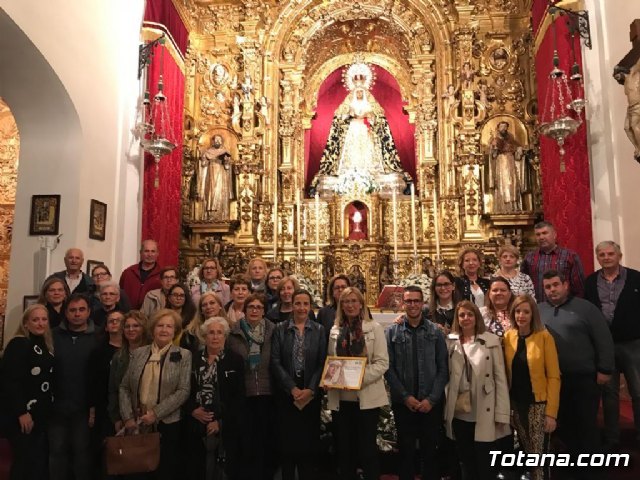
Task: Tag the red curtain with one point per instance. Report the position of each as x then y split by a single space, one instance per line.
164 12
566 196
331 94
161 211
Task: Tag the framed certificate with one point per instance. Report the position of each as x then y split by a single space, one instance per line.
343 372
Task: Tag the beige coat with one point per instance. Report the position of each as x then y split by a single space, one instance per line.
154 300
174 384
491 391
373 393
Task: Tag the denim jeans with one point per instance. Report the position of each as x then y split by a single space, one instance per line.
627 362
69 447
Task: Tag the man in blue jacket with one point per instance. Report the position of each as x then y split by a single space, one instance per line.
615 290
418 372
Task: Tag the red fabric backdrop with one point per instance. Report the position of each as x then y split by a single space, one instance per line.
161 206
165 13
332 92
566 196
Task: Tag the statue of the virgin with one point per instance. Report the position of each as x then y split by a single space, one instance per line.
360 147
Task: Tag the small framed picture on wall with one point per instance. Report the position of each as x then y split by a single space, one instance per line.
29 300
98 220
91 264
45 215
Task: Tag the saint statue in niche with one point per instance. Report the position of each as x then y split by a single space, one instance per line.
360 146
215 186
506 172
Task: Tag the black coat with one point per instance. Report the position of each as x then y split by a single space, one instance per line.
463 284
85 286
282 367
27 380
625 325
229 396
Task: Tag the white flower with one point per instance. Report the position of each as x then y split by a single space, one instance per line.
419 280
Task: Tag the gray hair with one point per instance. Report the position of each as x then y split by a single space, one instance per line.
210 321
609 243
543 224
110 283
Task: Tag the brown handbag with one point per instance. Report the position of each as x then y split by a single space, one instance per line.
127 454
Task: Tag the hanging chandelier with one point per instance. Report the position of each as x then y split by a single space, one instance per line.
564 104
156 128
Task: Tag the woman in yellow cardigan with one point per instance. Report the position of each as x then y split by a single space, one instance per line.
533 372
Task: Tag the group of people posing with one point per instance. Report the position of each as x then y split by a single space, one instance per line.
230 373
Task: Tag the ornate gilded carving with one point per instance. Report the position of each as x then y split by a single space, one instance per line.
255 70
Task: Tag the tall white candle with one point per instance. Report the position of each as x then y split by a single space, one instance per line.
436 221
395 225
317 228
298 221
413 220
275 223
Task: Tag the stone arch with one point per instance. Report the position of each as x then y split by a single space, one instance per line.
50 138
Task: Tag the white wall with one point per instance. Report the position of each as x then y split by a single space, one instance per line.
615 175
69 75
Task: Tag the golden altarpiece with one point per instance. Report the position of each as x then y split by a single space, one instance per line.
254 71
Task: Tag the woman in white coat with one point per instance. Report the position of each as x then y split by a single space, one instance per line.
355 412
477 411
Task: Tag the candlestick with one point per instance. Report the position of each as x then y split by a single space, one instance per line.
436 221
275 224
317 229
413 220
298 219
395 225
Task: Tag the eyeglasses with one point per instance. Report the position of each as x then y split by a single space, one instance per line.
207 268
443 285
115 320
177 295
100 275
275 278
169 277
255 307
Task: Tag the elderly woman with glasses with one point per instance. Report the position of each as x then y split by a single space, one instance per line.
250 337
101 274
210 275
109 295
214 409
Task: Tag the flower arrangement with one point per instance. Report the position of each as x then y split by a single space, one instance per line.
310 286
353 180
419 280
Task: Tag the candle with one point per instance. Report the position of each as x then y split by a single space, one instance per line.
317 229
436 221
341 212
275 224
395 226
413 220
298 221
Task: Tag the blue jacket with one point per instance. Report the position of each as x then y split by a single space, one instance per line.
433 362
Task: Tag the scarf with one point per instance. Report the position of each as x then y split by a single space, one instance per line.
255 337
207 379
204 288
351 340
150 381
